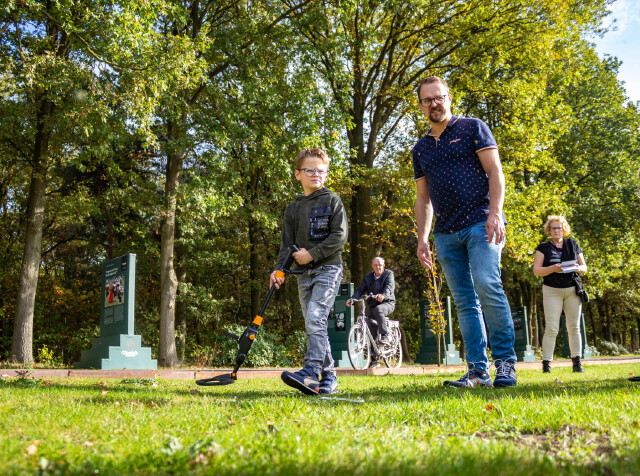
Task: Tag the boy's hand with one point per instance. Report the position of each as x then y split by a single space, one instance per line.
303 257
278 281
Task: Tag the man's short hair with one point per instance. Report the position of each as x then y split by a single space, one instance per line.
429 80
378 257
312 152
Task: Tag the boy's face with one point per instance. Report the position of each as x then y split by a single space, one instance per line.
319 177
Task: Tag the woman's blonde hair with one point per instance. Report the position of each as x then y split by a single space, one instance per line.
566 229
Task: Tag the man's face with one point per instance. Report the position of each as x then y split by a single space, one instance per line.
435 112
378 267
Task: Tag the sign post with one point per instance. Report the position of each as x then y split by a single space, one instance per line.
118 347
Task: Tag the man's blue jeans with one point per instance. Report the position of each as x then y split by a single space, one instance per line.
317 289
472 268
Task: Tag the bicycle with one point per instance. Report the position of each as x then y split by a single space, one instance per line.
360 342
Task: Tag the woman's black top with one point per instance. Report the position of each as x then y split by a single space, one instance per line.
552 255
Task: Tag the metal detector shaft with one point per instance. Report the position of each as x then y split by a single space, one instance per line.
248 336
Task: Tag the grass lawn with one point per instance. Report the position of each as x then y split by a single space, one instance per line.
558 423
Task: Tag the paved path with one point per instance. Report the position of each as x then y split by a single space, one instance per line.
245 373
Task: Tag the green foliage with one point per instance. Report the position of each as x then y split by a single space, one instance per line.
235 90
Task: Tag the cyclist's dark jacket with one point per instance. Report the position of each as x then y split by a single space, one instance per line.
384 285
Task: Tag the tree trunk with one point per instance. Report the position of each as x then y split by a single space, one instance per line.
540 327
181 305
22 340
254 282
593 326
167 356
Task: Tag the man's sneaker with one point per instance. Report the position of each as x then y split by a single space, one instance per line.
384 340
473 378
328 384
305 380
505 374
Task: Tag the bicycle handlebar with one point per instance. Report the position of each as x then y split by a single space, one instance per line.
363 298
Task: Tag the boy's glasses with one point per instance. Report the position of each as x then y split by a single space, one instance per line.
312 172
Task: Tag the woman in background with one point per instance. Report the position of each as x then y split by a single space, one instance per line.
555 261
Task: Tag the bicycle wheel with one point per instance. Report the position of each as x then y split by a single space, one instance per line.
358 347
395 358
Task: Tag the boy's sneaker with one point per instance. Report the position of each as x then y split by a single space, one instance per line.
305 380
473 378
505 374
328 384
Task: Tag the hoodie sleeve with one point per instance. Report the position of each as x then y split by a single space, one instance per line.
337 235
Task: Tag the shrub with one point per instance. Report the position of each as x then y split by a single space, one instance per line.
611 348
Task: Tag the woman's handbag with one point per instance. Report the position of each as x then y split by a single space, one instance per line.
580 291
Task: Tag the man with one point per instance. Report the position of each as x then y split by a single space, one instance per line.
381 283
459 177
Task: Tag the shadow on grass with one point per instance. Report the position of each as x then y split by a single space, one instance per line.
371 389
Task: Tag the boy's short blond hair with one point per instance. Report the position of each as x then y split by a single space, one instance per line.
566 229
312 152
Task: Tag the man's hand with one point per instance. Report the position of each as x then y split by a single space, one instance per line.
303 257
495 228
278 281
379 297
349 302
424 254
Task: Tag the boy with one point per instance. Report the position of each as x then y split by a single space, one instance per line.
317 223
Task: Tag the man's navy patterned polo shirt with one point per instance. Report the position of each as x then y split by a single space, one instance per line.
458 185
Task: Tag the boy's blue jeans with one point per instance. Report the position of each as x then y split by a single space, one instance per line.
317 289
472 268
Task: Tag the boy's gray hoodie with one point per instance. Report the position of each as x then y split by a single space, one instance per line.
317 222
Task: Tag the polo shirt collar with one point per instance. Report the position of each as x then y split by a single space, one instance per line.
451 123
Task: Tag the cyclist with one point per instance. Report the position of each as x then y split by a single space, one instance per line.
382 285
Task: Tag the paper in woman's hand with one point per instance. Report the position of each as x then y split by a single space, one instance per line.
569 266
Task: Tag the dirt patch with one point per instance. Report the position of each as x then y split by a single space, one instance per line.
566 439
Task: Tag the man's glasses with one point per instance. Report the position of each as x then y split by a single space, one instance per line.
425 102
312 172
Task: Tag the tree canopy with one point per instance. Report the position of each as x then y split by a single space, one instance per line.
168 128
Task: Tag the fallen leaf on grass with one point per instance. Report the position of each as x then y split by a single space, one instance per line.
117 404
46 383
104 392
201 459
194 391
33 448
117 430
558 380
5 375
102 384
87 444
489 408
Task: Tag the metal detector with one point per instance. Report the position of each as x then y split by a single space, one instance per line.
249 334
